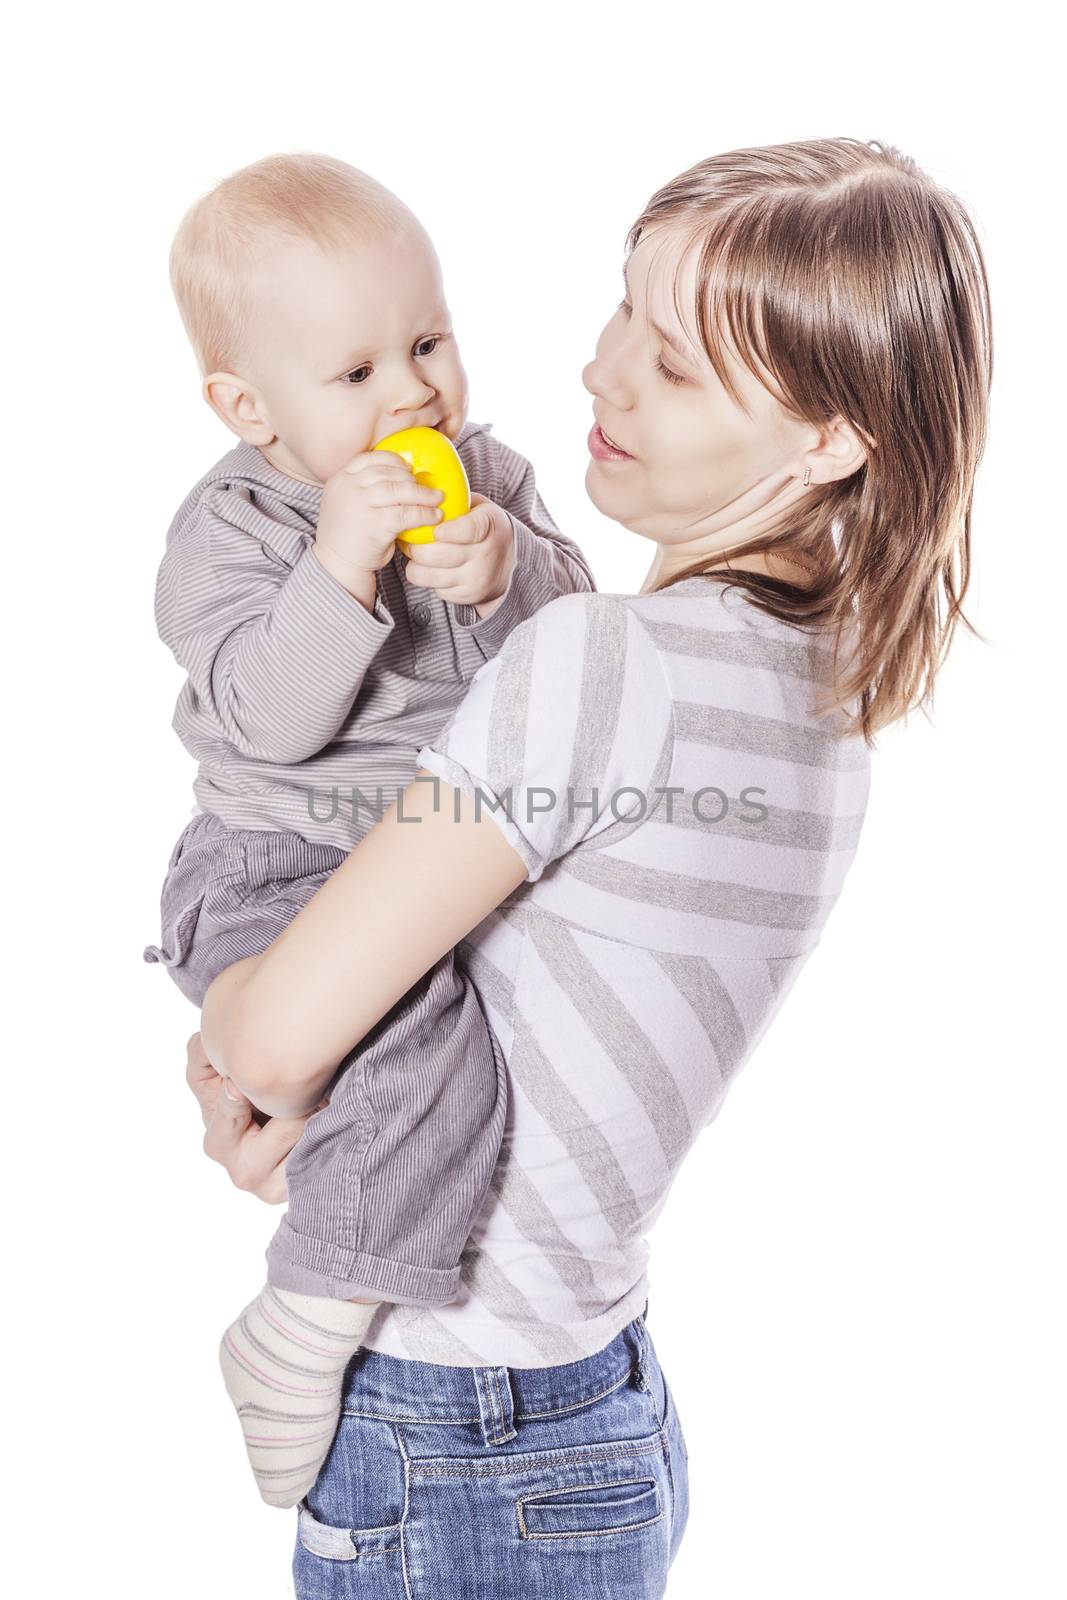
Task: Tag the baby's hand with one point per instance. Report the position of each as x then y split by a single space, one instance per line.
364 508
471 559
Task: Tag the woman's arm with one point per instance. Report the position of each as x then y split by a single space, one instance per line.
278 1024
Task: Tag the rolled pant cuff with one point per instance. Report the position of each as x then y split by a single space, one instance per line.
306 1265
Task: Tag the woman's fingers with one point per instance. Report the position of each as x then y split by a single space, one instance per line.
201 1076
249 1144
227 1126
254 1156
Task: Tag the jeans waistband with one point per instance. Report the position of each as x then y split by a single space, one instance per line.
393 1389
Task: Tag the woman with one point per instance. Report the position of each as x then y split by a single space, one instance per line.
634 828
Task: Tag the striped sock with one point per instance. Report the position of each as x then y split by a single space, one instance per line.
283 1362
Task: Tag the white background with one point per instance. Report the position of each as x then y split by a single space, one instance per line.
856 1285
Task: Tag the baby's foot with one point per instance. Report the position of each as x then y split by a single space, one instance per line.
284 1362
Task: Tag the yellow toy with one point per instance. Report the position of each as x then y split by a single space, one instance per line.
434 460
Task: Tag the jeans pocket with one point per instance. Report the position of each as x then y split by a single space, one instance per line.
587 1509
345 1544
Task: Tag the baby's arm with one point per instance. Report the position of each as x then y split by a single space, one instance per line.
275 648
547 563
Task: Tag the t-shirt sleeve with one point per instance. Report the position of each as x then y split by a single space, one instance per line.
566 733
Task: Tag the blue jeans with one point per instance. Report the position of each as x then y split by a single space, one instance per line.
483 1483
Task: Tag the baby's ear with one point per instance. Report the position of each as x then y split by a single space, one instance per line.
239 405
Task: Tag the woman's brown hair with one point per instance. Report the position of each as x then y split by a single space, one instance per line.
842 270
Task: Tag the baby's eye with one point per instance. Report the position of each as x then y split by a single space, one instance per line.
671 377
434 340
354 375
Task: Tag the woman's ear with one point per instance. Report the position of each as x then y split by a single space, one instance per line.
841 450
239 405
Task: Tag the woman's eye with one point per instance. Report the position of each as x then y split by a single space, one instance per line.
354 375
671 377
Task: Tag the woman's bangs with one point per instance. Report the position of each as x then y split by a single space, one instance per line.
731 296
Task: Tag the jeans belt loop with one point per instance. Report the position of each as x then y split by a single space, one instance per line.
496 1407
641 1371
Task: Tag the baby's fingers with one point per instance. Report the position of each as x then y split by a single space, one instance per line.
438 554
383 467
402 489
474 526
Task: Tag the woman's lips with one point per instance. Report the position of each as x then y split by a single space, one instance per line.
602 449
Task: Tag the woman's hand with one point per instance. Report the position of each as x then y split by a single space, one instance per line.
253 1152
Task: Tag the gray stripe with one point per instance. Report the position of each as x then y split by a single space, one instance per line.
516 1194
793 830
531 1216
506 754
617 1030
676 891
488 1281
298 1469
709 999
583 1140
799 660
599 700
766 736
514 914
270 1352
622 830
489 980
251 1408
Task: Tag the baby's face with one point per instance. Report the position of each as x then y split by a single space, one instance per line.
349 345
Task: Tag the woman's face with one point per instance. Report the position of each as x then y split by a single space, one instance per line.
696 463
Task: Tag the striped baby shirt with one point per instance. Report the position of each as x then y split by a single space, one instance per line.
303 710
687 825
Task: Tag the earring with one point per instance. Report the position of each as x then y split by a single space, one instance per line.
807 476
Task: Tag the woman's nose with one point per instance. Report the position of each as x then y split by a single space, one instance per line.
602 381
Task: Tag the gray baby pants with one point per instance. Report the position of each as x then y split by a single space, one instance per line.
384 1183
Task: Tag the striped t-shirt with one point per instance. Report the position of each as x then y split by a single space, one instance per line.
304 710
687 824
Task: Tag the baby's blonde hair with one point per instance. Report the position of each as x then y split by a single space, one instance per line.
226 231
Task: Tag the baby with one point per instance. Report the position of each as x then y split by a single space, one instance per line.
318 664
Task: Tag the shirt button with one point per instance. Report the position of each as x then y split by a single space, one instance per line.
422 617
